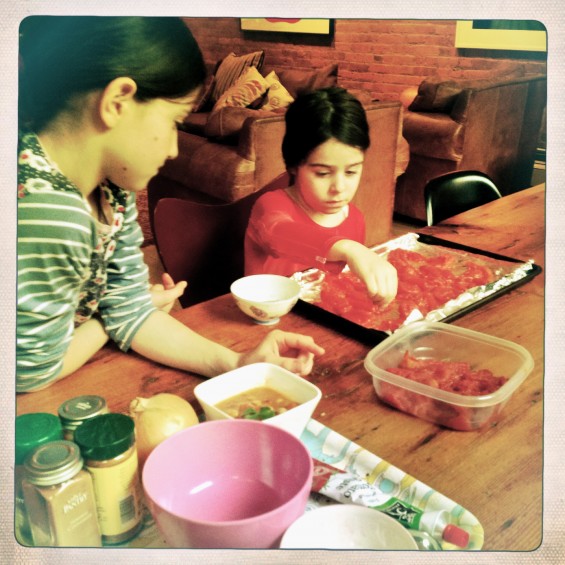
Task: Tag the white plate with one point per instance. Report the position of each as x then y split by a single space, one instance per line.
346 526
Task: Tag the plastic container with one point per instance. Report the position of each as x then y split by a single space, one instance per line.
441 341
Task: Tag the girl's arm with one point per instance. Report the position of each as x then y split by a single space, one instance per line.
87 340
281 229
165 340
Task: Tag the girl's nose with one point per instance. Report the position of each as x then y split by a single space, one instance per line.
338 183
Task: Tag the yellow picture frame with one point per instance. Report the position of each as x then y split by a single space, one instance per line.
287 25
467 36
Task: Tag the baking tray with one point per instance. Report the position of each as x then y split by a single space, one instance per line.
515 273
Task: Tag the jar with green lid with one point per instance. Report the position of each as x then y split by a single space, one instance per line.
107 443
32 430
59 497
75 411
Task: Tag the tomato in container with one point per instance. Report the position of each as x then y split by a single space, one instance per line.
451 376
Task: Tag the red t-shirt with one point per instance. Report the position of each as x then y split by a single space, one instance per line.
282 239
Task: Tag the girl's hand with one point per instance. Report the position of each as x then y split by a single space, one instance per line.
379 276
292 351
164 295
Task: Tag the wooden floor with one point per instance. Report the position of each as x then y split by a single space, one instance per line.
156 268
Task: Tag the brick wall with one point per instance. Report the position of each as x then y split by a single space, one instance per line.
381 56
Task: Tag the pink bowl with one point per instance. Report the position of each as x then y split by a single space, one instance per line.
227 484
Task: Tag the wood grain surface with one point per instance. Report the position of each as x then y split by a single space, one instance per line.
495 473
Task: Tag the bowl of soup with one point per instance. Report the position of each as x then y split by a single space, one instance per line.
261 391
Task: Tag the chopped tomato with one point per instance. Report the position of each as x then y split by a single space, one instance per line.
424 284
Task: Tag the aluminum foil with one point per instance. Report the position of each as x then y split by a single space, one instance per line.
508 273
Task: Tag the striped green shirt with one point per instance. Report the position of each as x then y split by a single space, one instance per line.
71 267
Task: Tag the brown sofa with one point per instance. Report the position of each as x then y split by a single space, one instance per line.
228 153
487 125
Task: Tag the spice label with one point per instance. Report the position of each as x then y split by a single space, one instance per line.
117 496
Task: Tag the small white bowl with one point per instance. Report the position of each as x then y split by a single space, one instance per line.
347 526
213 391
265 298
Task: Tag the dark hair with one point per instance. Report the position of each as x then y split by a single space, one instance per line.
62 56
317 116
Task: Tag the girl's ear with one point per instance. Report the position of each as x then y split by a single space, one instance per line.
115 98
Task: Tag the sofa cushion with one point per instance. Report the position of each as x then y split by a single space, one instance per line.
195 123
433 135
224 124
277 95
298 81
247 89
436 96
439 94
231 68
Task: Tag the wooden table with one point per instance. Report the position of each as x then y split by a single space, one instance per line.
495 473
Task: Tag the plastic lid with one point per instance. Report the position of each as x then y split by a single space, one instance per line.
74 411
53 463
105 436
33 430
455 535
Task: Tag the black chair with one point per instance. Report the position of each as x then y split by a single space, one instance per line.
454 193
202 243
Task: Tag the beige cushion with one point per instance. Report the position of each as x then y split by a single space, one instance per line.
277 95
248 88
231 68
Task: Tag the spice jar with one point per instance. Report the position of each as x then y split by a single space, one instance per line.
59 497
107 443
32 430
75 411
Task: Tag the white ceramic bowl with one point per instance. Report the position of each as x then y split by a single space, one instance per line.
265 298
347 526
212 391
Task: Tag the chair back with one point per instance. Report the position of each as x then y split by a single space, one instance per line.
457 192
203 243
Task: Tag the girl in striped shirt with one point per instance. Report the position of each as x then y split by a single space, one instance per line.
100 101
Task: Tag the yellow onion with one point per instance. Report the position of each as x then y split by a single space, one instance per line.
158 417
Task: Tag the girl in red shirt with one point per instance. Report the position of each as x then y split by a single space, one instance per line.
313 223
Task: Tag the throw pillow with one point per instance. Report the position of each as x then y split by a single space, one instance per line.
277 95
249 88
231 68
300 81
436 96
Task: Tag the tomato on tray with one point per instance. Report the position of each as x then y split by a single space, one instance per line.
424 283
